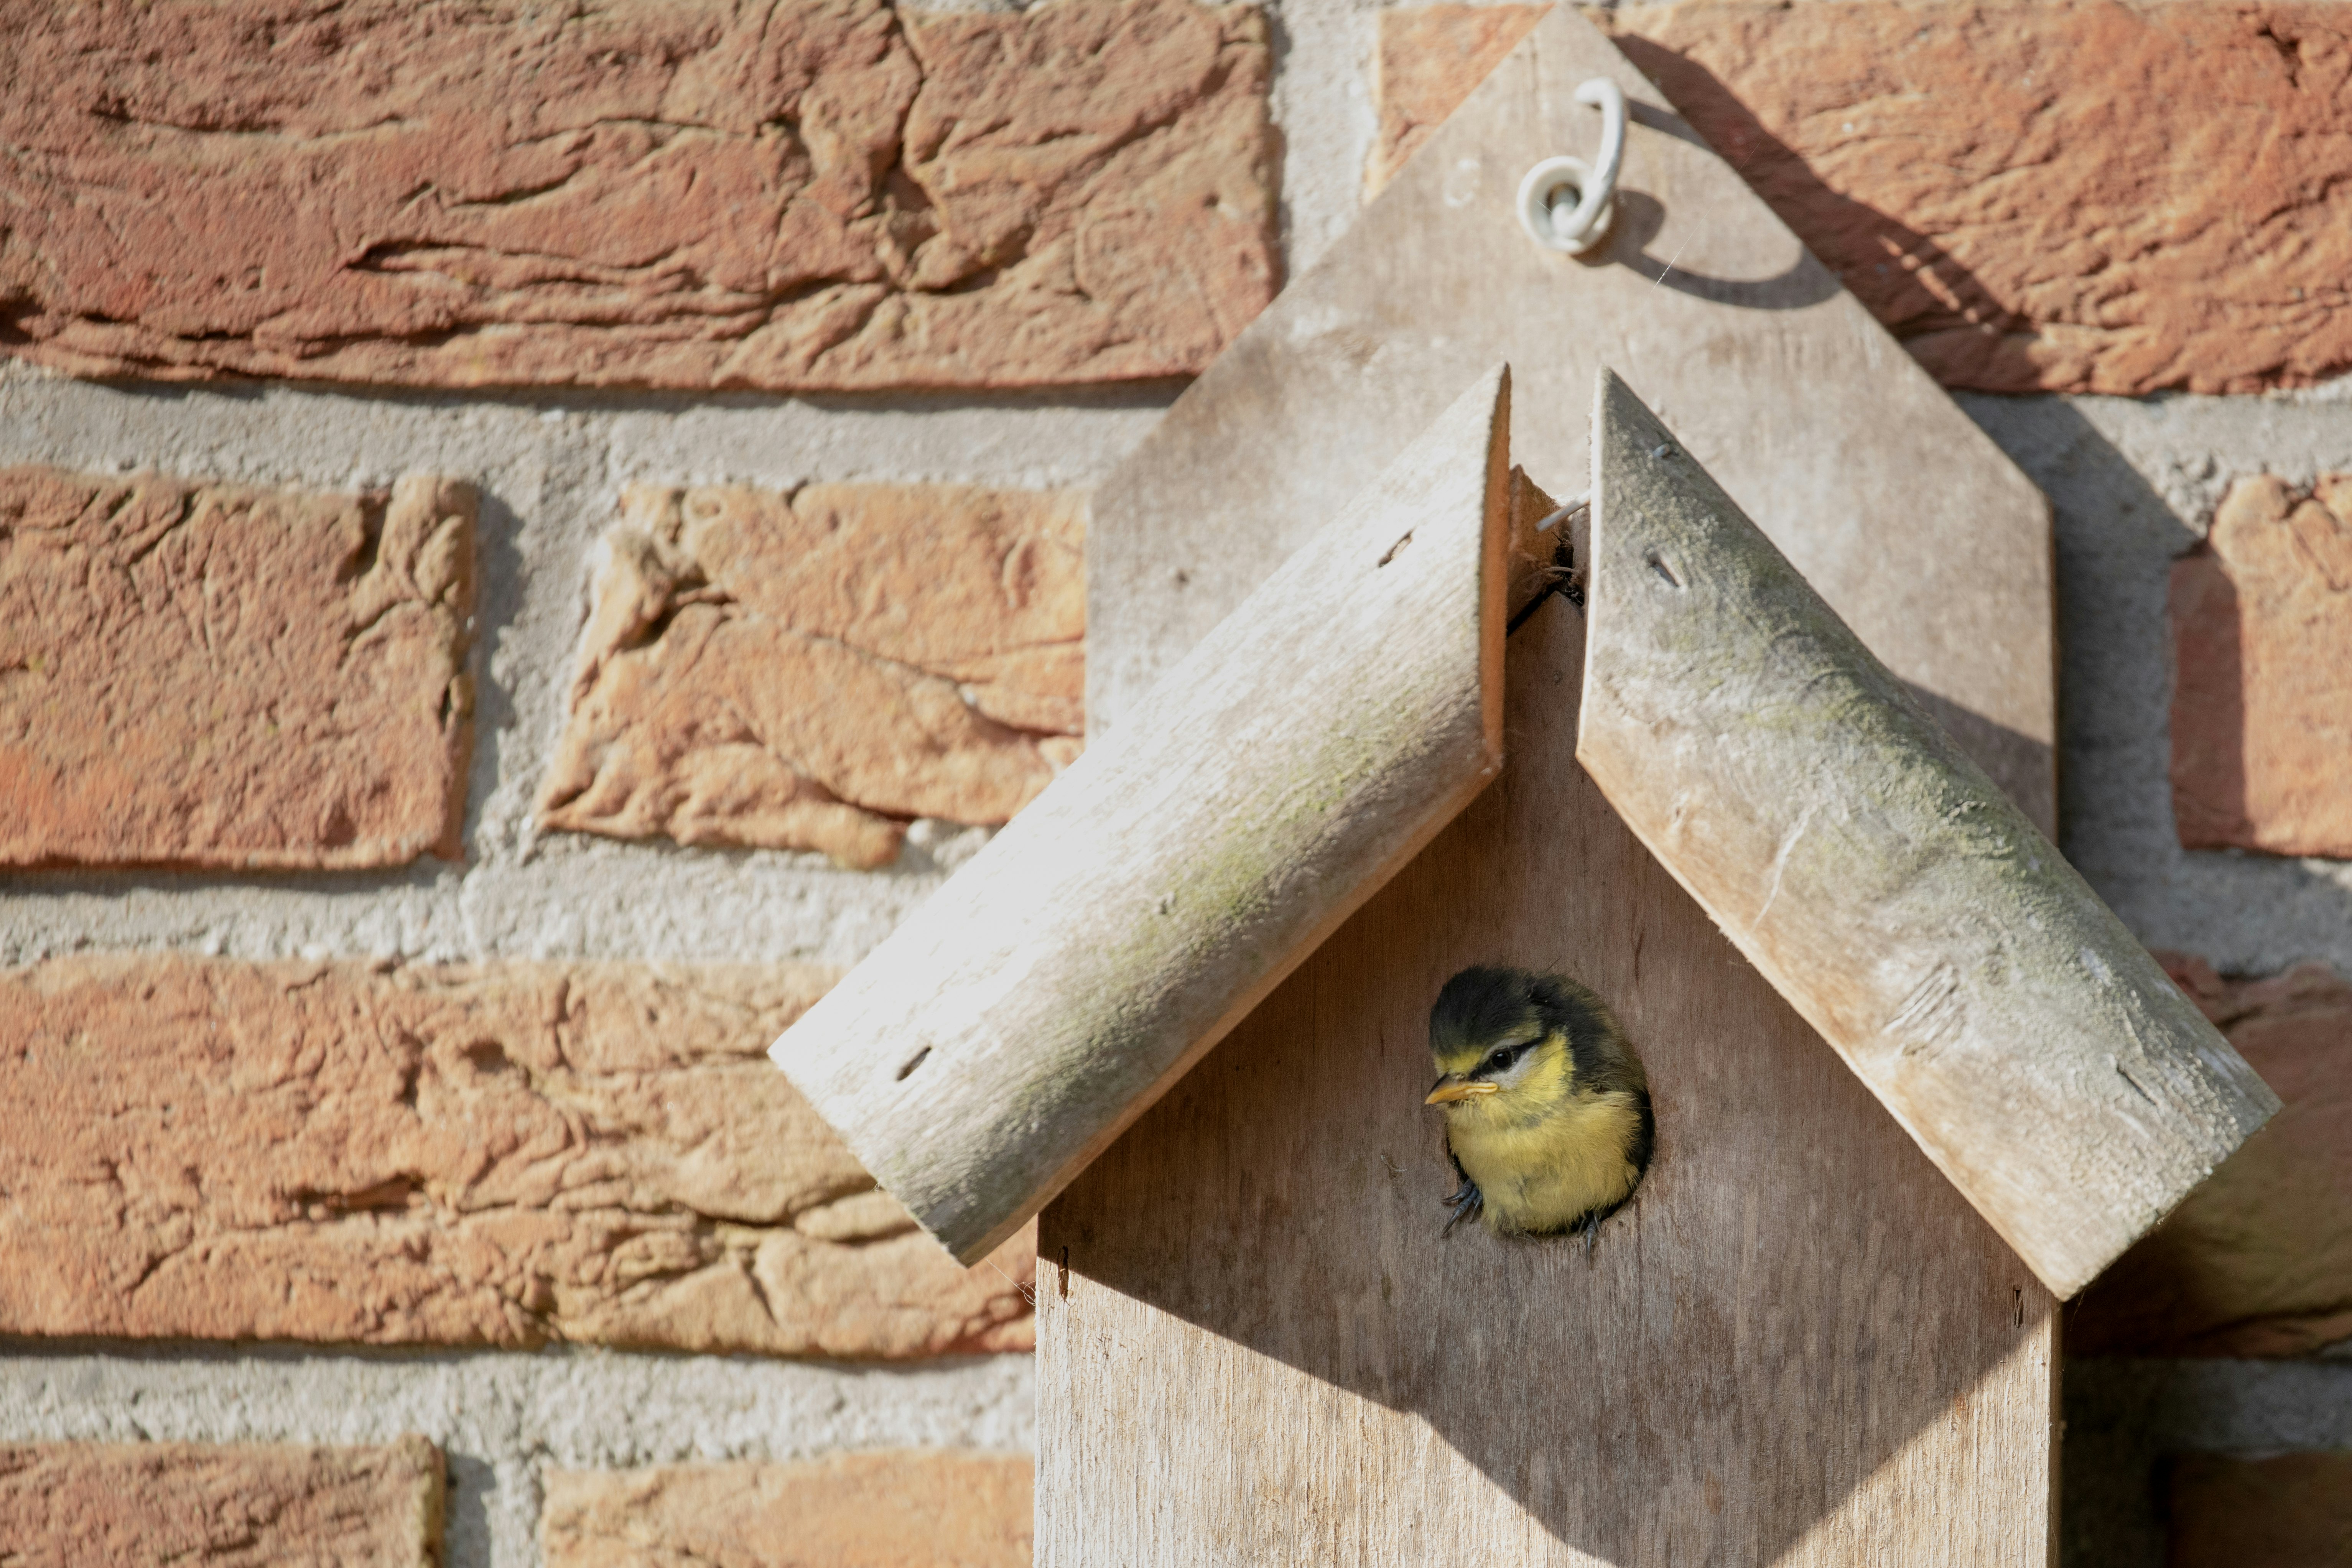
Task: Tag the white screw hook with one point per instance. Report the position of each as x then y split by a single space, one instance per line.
1551 185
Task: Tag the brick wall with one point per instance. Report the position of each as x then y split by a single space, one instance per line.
526 543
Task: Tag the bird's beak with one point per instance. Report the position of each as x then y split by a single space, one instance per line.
1451 1088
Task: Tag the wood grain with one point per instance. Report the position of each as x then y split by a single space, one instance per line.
1881 881
1141 905
1797 1344
1899 510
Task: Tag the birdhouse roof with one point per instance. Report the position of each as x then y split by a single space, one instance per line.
1819 689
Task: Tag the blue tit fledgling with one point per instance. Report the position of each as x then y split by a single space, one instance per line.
1547 1107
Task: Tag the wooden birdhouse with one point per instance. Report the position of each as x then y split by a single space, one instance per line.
1779 788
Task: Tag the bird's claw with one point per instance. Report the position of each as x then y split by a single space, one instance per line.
1466 1201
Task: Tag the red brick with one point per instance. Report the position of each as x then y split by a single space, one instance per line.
2290 1511
1426 61
104 1505
504 1155
791 194
206 675
2014 189
2262 698
807 671
2258 1261
910 1509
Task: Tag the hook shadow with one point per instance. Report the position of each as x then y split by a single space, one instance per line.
1918 291
1805 281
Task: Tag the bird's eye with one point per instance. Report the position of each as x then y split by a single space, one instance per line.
1499 1060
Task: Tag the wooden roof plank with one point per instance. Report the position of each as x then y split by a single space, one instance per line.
1013 1026
1881 881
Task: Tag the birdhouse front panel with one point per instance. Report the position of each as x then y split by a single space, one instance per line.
1258 1342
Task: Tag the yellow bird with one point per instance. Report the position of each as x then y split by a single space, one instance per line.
1547 1108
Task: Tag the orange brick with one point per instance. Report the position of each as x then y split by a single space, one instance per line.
2012 188
891 1509
807 671
207 675
1427 60
792 195
2261 699
503 1155
2258 1261
2293 1511
104 1505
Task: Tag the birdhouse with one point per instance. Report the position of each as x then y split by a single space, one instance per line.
1754 740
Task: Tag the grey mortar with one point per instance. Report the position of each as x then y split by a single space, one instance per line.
1323 102
502 1419
2133 483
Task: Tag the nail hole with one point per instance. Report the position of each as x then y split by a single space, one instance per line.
912 1063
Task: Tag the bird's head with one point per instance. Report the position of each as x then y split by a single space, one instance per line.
1500 1040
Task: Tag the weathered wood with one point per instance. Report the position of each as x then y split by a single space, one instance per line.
1908 520
1085 959
1798 1344
1881 881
